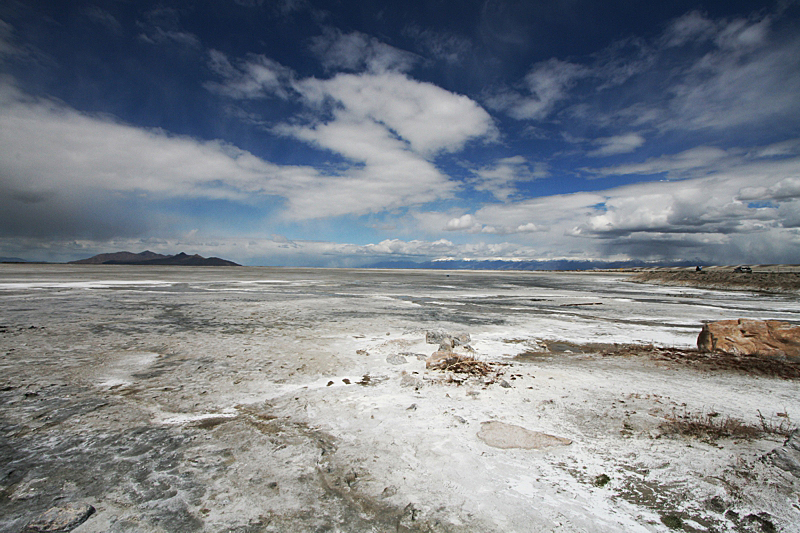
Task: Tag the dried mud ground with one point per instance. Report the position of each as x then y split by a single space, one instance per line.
180 410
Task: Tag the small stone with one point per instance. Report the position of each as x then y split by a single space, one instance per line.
389 491
440 358
505 384
601 480
407 380
716 504
396 359
60 519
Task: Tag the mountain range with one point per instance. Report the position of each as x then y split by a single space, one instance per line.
151 258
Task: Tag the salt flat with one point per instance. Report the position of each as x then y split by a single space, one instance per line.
256 399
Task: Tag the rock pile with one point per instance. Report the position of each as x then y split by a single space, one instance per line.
447 359
750 337
445 356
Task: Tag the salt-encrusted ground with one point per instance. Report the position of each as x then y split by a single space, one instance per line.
191 399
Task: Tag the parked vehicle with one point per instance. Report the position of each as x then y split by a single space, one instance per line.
744 269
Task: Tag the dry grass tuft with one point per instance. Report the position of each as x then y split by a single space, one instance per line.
711 426
467 365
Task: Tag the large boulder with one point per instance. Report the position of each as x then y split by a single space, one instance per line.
750 337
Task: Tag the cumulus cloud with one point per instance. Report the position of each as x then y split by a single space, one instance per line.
388 126
464 222
715 216
391 128
471 224
785 189
52 156
426 117
56 159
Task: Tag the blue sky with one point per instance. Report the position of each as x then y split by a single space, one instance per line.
346 133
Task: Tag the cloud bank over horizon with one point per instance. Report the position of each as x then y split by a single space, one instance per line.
401 133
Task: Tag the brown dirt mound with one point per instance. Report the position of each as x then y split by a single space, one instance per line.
719 279
781 367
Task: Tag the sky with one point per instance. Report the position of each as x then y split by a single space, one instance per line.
345 133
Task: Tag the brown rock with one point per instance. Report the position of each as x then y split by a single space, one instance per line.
440 358
60 519
750 337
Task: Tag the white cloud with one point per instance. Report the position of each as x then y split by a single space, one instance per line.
356 51
617 144
731 74
677 165
54 159
447 47
693 26
464 222
49 146
256 77
50 152
104 18
501 177
744 81
546 84
700 75
785 189
391 128
430 119
161 25
712 216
